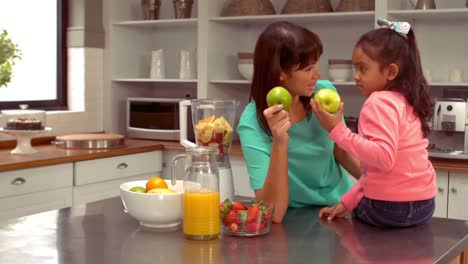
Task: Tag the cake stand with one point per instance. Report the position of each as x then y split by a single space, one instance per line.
23 139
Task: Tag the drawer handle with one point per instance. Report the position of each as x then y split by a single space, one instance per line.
441 190
122 166
18 181
453 190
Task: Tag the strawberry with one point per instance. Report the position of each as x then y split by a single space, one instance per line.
238 206
234 227
252 227
252 213
231 217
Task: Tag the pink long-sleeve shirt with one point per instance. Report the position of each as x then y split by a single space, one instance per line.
392 150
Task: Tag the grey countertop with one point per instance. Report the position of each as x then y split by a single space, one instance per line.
101 232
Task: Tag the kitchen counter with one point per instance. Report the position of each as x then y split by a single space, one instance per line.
50 154
101 232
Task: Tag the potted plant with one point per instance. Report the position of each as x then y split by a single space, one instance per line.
8 53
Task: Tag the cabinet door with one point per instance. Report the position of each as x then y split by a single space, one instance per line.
241 177
442 195
102 190
458 195
107 169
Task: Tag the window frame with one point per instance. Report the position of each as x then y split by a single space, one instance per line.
61 102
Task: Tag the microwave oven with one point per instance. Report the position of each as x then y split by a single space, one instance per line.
156 118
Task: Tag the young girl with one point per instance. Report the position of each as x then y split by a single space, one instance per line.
290 159
397 186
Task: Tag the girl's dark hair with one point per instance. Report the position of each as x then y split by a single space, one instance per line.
386 46
281 47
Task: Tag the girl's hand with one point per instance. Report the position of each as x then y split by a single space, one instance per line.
327 120
338 210
278 121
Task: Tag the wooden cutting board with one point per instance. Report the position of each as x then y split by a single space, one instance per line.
89 141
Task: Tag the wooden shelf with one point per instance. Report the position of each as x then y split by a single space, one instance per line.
163 23
140 80
367 16
432 14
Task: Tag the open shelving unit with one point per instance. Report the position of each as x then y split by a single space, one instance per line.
218 39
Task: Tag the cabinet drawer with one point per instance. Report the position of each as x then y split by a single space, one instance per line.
102 190
105 169
33 203
24 181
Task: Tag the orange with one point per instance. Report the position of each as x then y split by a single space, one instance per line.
209 119
156 182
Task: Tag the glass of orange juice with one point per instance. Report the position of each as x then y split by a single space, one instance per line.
201 214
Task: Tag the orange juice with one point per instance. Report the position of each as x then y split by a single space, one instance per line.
201 214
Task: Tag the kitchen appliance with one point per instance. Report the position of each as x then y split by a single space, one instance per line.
155 118
449 135
213 123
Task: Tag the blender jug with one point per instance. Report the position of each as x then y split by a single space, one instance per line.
213 122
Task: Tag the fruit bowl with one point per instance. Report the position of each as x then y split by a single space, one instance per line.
154 210
245 217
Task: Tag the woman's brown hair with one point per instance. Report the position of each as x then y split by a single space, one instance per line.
281 47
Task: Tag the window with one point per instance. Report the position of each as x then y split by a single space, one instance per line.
40 76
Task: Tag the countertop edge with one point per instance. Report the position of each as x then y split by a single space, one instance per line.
455 251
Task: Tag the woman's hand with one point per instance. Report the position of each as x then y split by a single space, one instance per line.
278 121
338 210
327 120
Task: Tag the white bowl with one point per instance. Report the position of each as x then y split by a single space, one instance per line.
340 75
151 209
246 70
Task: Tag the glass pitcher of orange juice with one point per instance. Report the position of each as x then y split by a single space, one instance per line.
201 193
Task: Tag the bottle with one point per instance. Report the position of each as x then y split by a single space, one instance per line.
201 194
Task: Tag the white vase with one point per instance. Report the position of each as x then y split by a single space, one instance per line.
158 64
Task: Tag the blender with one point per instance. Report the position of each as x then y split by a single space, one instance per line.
213 123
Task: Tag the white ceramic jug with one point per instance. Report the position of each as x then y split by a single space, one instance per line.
187 65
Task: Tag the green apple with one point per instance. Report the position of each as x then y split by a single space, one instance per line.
160 191
329 100
138 189
279 95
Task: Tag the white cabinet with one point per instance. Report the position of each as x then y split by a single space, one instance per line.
458 195
100 178
29 191
442 193
453 195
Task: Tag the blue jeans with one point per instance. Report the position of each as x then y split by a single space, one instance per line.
394 214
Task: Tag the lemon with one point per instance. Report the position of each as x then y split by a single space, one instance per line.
138 189
160 191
